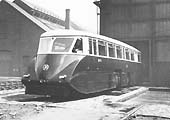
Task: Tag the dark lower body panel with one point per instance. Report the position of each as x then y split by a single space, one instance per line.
50 89
83 83
93 76
92 82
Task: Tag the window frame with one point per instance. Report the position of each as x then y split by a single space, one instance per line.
95 48
102 43
117 52
74 46
90 40
139 57
127 51
111 46
132 55
109 49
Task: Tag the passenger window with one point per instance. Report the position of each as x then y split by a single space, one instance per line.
123 53
102 48
139 57
95 47
78 47
111 50
119 51
90 46
127 54
132 56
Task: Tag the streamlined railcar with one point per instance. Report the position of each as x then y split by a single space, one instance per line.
70 61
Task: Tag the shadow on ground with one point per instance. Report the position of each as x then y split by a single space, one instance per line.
40 98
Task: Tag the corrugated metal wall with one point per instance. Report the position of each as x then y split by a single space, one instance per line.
145 24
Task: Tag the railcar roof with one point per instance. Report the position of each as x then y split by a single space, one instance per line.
66 32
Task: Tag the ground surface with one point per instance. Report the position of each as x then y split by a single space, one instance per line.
155 106
18 111
149 105
18 106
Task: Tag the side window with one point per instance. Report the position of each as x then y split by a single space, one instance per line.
90 46
111 50
95 46
78 47
132 56
127 54
119 51
139 57
102 48
123 52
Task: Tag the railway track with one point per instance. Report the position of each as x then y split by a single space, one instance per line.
130 114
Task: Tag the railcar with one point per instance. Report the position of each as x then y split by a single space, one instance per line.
70 61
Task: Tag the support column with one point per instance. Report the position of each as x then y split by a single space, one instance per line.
152 40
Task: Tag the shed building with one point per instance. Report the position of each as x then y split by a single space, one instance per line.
21 25
145 24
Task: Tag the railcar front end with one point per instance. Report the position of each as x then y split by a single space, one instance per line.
51 70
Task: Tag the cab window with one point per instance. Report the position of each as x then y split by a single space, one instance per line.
61 44
78 47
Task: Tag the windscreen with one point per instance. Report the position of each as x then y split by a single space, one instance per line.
62 44
53 44
45 45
